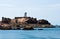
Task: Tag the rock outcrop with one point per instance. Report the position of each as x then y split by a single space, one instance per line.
28 28
32 21
28 20
6 20
43 22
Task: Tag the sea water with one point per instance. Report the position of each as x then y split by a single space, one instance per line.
46 33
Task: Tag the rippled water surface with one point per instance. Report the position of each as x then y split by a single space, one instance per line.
46 33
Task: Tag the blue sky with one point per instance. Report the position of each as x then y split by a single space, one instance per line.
40 9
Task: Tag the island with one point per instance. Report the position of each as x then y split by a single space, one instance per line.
24 22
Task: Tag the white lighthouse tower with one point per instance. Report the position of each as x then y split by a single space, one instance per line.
25 14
